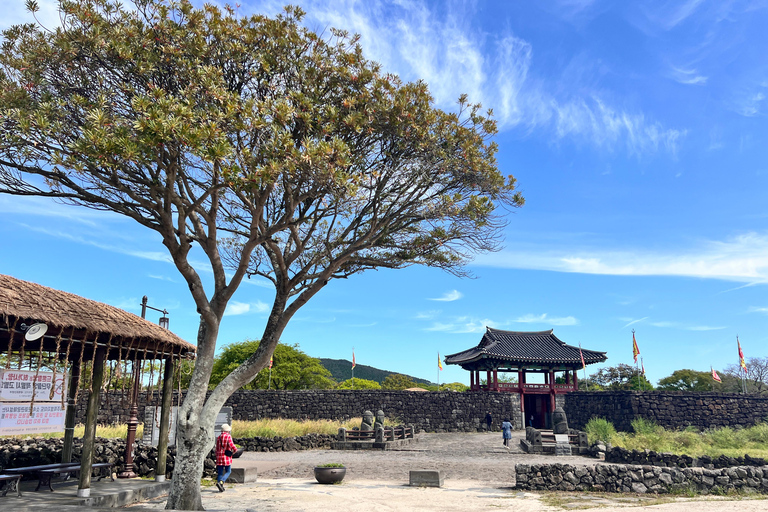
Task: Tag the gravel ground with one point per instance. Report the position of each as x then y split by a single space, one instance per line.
479 476
472 457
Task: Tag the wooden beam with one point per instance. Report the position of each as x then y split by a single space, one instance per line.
69 416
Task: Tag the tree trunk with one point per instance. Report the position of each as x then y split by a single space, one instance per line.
194 437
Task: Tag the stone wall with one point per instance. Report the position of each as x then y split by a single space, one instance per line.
620 455
640 479
444 411
673 410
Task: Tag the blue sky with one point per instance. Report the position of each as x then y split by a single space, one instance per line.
637 132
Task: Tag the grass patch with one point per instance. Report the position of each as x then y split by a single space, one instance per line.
118 431
714 442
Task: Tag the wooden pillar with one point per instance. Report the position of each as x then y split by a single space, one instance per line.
89 438
165 417
495 379
575 381
69 417
488 379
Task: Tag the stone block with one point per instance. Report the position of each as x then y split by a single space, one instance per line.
426 478
243 472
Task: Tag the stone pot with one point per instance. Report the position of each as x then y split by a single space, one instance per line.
329 475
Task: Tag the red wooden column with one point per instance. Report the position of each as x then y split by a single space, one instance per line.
575 381
495 380
488 379
472 380
552 390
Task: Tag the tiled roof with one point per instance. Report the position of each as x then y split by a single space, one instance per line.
535 348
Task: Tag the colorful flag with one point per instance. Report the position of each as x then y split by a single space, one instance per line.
715 376
353 359
635 349
741 355
642 365
270 361
439 363
583 364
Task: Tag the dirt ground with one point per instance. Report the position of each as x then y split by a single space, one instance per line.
478 471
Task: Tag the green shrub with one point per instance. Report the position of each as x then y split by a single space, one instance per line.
642 426
331 465
600 429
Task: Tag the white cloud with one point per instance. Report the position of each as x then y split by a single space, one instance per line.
631 321
742 258
546 319
444 47
685 327
428 315
463 325
751 105
449 296
241 308
688 76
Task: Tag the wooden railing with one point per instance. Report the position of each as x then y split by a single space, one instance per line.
514 387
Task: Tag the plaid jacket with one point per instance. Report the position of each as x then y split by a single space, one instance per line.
224 442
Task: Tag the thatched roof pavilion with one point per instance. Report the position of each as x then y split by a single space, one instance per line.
79 332
80 321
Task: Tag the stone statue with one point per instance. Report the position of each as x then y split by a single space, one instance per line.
367 423
559 421
379 420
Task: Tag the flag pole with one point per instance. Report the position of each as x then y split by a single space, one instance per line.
353 363
438 371
583 367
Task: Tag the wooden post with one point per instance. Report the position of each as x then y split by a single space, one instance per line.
488 380
575 381
472 380
165 416
69 417
89 438
495 380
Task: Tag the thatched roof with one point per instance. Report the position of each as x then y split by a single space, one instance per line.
73 317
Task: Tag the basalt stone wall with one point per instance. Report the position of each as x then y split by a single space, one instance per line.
443 411
673 410
639 479
17 453
619 455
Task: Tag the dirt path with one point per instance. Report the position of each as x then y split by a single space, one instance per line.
479 476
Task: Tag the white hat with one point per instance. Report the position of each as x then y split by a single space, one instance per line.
225 428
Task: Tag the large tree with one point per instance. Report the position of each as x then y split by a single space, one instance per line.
688 380
621 377
253 141
291 368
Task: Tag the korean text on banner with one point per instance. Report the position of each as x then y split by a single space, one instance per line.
16 420
16 386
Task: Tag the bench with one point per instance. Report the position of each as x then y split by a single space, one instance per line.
46 475
12 485
45 472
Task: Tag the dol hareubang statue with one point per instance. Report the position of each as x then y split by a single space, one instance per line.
559 421
367 423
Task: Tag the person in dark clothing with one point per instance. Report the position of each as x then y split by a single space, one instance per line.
488 420
506 429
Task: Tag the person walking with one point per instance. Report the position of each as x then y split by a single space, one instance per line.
488 421
225 448
506 432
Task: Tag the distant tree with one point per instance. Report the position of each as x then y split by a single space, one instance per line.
450 386
589 384
622 377
398 381
757 375
356 383
291 368
687 380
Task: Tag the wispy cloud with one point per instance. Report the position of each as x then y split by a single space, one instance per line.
161 278
242 308
463 325
546 319
631 321
449 296
742 258
444 47
687 76
754 309
685 327
428 315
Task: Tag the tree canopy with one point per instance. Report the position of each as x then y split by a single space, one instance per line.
355 383
398 381
291 368
254 143
688 380
621 376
